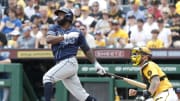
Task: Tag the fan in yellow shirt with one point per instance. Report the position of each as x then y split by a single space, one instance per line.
51 7
117 32
155 42
178 7
12 43
99 40
21 3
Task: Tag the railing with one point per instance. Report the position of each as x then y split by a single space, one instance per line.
99 53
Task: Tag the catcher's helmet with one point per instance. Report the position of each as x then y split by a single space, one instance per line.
137 52
68 13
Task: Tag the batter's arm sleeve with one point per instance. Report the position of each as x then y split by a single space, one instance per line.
52 37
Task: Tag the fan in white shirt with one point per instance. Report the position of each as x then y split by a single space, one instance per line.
150 24
85 18
138 35
165 33
29 10
89 38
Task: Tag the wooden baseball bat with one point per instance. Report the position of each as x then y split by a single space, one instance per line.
130 81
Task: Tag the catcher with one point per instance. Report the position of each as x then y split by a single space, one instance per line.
158 86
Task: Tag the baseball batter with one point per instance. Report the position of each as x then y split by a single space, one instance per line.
66 40
4 60
159 88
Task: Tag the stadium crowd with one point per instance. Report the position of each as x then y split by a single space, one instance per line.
105 23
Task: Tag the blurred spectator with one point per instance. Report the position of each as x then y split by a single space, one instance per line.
145 5
77 10
154 9
116 34
138 35
130 23
85 18
164 5
35 32
70 4
44 17
77 24
21 3
29 9
12 43
41 42
36 19
26 41
103 24
165 16
135 10
175 29
155 42
26 23
89 38
102 4
36 9
51 8
99 39
85 2
121 43
11 5
95 11
165 33
10 23
178 7
172 10
6 90
150 23
20 14
3 40
115 12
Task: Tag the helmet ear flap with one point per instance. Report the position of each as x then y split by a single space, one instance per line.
68 17
68 14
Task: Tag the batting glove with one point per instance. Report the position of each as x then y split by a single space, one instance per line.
71 35
99 69
146 94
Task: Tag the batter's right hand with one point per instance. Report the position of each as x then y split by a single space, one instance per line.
71 35
99 69
132 92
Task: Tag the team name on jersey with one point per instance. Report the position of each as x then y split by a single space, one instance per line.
68 41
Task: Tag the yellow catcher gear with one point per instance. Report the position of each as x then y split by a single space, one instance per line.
136 54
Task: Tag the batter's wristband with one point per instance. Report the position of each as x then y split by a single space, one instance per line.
143 92
140 92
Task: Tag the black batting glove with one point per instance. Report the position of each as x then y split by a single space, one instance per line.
146 94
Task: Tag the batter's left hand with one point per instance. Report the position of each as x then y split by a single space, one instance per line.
99 69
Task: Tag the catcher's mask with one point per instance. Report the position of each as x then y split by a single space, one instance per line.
137 53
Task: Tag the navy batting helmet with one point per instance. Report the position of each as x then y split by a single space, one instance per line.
68 13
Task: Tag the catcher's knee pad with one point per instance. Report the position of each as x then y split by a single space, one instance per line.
47 78
90 98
